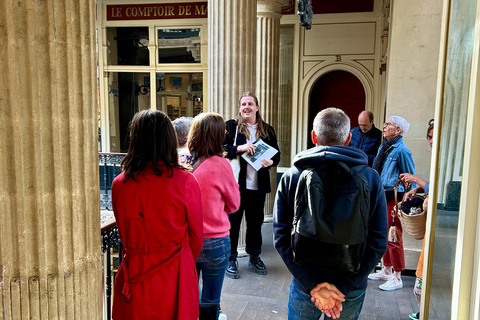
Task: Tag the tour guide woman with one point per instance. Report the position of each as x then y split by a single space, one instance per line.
158 211
254 185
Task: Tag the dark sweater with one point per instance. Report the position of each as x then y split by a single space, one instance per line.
367 142
283 215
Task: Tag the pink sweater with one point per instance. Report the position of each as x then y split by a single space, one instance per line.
220 195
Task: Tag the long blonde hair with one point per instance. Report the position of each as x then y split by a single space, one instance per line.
262 127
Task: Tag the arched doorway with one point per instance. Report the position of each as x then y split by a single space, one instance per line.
339 89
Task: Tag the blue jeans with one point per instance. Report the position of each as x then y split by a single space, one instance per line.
300 307
212 263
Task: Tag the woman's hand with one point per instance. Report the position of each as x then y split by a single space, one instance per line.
408 179
409 195
266 163
249 148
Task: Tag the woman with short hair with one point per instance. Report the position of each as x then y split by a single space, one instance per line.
393 158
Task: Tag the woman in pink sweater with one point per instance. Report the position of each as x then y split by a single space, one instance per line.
220 196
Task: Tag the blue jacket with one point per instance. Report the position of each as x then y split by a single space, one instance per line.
398 160
283 213
264 173
367 142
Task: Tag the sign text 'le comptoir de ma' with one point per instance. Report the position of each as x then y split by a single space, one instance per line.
157 11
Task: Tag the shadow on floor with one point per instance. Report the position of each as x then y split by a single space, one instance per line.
260 297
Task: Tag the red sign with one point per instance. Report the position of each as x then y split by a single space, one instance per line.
185 10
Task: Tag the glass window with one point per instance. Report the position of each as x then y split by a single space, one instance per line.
180 94
451 152
179 46
127 46
128 93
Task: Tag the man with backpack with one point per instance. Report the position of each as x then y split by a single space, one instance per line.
330 223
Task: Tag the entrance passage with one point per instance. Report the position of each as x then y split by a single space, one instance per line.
338 89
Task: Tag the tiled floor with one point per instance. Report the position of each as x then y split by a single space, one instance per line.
254 296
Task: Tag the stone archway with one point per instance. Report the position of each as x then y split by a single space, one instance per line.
301 127
340 89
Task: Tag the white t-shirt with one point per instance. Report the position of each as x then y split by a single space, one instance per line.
252 181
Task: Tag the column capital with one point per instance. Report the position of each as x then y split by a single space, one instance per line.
270 6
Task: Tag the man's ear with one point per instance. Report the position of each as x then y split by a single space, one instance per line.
314 138
348 139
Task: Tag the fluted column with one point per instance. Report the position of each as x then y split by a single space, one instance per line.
49 186
231 53
284 134
268 44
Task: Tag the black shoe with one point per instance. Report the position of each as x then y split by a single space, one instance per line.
232 269
256 264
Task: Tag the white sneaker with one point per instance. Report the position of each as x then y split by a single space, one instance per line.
392 284
380 275
222 316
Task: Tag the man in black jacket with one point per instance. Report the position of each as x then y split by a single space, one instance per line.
331 136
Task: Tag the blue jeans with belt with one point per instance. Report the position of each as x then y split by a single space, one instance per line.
300 307
212 263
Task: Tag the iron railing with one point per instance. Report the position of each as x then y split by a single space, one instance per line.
109 168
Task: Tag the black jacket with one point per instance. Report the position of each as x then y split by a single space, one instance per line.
263 173
367 142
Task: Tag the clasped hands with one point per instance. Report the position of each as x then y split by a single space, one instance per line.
249 148
328 299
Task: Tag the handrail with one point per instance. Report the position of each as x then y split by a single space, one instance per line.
110 224
109 166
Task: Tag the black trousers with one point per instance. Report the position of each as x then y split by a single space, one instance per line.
252 203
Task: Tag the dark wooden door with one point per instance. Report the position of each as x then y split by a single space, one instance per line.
338 89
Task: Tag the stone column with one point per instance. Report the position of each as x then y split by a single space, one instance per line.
231 60
284 134
231 53
268 44
49 187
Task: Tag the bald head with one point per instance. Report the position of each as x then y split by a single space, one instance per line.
365 121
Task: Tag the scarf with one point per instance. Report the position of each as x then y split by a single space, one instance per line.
382 153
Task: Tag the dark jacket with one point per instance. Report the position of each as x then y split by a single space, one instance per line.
367 142
263 173
283 214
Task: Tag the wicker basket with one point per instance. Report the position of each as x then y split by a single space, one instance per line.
414 225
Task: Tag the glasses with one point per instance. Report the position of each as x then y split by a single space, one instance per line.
389 124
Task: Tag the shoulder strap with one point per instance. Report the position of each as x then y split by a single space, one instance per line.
236 132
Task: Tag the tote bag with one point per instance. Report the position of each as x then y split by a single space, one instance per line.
235 163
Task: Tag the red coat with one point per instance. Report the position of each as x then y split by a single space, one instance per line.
160 223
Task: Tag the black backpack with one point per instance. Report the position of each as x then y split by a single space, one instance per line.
332 205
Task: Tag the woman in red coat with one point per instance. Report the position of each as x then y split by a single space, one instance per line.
158 211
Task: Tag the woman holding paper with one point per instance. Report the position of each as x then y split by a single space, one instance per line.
242 133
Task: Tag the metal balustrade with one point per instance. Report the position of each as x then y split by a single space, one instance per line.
109 168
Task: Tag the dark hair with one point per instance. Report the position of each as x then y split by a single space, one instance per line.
431 124
206 135
262 128
152 139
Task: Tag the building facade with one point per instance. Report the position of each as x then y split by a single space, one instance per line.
416 59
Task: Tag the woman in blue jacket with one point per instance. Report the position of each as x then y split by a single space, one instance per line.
393 158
